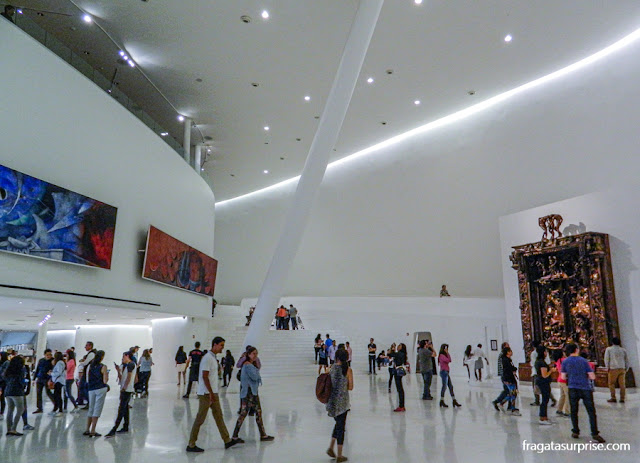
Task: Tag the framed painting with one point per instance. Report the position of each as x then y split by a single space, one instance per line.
174 263
40 219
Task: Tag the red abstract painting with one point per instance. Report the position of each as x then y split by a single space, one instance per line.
177 264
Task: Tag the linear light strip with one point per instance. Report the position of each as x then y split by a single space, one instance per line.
459 115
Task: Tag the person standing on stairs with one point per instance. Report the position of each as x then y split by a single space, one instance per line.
293 314
444 359
317 345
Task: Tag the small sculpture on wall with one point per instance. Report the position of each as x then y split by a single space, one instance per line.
550 224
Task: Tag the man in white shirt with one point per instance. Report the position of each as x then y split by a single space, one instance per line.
126 376
208 398
83 389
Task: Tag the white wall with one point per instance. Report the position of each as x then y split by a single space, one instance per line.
61 340
425 212
455 321
168 335
58 126
113 340
615 212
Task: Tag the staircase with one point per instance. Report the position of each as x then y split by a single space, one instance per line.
284 353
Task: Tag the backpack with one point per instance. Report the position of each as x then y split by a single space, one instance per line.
323 387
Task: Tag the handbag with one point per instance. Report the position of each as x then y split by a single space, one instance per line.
400 371
51 385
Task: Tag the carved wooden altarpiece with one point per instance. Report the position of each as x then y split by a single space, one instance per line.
567 294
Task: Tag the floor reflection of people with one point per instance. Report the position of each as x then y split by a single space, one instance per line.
399 430
449 428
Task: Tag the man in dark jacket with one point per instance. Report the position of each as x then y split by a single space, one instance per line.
42 376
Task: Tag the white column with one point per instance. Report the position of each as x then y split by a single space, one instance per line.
197 158
41 343
325 138
186 145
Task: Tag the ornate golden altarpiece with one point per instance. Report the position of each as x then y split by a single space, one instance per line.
567 294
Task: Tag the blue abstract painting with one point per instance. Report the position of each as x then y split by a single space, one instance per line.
44 220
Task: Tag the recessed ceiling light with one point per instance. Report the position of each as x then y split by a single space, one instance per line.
122 53
417 2
265 171
266 128
164 134
181 118
86 18
202 169
265 14
416 102
208 150
307 98
19 11
508 38
131 63
20 302
370 80
125 57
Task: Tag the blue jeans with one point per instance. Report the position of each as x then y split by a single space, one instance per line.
446 381
503 395
427 376
587 398
68 395
511 394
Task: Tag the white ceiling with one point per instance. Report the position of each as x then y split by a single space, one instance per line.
17 314
438 51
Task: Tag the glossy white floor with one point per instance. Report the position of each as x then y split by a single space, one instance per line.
475 433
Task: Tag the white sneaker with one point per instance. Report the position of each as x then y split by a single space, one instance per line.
516 412
545 423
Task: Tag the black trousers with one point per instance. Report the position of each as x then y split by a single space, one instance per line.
123 411
372 364
574 401
400 391
57 398
545 391
340 427
392 374
39 388
193 377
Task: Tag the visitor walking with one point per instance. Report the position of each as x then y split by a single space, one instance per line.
4 364
293 315
505 389
579 375
467 358
228 363
181 364
70 380
193 362
617 363
144 372
13 378
563 402
58 377
42 375
317 345
478 355
349 351
372 357
208 398
543 377
423 361
97 379
444 359
400 361
323 358
331 352
126 376
250 382
510 382
338 405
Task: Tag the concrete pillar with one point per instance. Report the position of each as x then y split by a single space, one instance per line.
41 343
325 139
186 145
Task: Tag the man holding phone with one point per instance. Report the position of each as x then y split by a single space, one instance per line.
125 380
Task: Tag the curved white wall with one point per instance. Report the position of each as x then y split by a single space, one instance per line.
58 126
425 212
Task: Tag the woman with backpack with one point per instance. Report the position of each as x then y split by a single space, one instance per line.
400 360
250 381
338 405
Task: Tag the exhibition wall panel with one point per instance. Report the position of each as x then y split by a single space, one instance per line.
614 212
59 127
424 212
